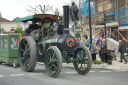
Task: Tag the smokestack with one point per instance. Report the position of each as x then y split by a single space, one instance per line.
66 19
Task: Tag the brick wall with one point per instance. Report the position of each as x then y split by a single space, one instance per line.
122 3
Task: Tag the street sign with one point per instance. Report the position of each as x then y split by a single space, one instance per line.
12 31
110 17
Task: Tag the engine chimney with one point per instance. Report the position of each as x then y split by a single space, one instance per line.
66 19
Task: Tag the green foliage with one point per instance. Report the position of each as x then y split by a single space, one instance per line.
7 32
19 29
86 62
97 62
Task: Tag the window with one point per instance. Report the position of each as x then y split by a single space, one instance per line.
1 42
15 42
5 42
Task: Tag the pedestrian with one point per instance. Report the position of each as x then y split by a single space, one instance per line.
85 36
108 35
94 50
85 41
101 33
101 46
77 43
127 48
81 42
122 50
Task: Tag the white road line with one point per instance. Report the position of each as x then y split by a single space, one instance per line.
1 76
71 72
124 70
35 74
105 71
91 71
16 74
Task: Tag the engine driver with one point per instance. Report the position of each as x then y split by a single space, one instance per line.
33 26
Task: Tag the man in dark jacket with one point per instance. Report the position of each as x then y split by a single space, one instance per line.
101 33
85 36
122 50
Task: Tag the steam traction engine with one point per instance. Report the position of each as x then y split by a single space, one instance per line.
54 48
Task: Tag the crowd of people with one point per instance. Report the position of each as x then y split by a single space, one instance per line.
99 46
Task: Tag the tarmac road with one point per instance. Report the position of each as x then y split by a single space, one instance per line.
68 76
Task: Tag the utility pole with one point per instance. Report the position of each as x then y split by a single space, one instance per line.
0 27
105 30
90 24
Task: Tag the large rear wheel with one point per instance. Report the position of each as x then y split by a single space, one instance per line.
27 53
53 61
84 60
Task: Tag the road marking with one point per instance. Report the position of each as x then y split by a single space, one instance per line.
124 70
35 74
70 72
91 71
16 74
1 76
105 71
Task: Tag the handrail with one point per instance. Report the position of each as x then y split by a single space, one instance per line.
121 35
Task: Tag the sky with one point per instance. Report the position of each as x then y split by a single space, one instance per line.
11 9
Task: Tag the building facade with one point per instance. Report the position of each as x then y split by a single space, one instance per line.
6 25
118 8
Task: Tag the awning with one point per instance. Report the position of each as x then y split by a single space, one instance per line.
114 24
24 19
124 28
38 17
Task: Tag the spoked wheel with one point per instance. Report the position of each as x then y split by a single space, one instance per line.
27 53
53 61
84 60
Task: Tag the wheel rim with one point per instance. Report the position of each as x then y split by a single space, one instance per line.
83 60
51 62
24 54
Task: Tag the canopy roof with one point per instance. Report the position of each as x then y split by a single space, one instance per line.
38 18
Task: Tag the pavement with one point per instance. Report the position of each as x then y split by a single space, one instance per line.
116 65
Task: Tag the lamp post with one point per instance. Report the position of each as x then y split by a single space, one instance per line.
105 30
90 24
0 27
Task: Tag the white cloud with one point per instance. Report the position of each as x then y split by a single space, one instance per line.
11 9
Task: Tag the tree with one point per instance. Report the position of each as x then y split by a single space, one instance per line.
19 29
38 9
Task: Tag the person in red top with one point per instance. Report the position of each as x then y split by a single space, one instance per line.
16 42
99 42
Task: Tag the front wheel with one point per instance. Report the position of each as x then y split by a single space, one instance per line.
84 60
27 53
53 61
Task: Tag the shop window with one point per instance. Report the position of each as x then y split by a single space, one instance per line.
15 42
1 42
5 42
